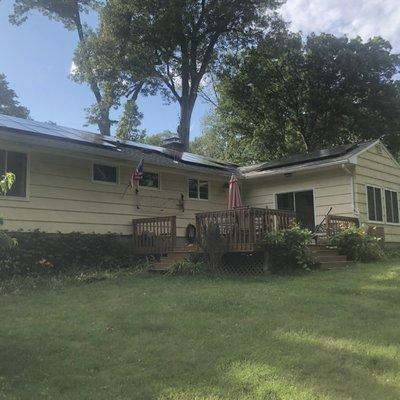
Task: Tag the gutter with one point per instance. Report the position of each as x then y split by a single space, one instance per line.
293 170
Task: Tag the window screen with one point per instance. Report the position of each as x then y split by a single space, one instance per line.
12 161
374 195
392 206
104 173
150 180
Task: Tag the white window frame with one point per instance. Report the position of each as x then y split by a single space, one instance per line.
198 191
106 165
382 204
398 208
149 187
28 174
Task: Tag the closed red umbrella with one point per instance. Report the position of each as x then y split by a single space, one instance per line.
234 200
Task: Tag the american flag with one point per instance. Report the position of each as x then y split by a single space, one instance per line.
137 175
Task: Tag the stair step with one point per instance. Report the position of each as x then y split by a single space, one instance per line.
330 257
335 264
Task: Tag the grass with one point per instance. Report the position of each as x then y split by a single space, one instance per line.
326 335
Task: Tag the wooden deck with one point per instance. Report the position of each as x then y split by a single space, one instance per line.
242 229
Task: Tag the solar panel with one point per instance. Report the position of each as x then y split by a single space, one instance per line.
88 138
302 158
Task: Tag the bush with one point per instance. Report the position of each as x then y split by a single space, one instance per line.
288 251
43 253
357 245
187 267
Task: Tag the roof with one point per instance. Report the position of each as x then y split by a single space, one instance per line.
316 158
59 133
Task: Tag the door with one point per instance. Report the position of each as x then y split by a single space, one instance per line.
300 202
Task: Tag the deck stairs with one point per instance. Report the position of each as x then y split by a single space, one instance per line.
328 257
178 254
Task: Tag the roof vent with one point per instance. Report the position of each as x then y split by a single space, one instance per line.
174 143
378 148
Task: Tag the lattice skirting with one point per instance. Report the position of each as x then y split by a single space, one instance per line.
243 264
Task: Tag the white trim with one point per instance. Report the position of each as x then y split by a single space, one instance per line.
198 191
27 172
105 164
382 204
384 149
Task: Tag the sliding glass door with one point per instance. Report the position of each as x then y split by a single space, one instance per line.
300 202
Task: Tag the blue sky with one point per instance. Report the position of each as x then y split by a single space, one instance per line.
36 57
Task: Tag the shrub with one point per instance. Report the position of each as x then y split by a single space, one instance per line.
288 251
43 253
357 245
213 245
187 267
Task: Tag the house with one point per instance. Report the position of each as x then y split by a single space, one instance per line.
70 180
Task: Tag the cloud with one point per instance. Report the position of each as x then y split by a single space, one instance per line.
73 69
366 18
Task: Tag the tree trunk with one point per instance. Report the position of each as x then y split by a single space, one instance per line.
104 123
184 123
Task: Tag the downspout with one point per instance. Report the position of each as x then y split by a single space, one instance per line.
352 191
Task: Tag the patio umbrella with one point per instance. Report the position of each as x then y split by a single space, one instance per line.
234 200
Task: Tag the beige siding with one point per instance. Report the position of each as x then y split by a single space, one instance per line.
62 197
331 189
380 170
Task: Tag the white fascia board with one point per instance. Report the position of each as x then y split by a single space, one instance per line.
294 169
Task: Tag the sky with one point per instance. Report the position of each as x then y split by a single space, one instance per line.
36 58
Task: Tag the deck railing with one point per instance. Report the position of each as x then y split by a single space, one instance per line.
244 228
154 235
336 223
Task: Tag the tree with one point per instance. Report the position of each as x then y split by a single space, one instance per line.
291 94
173 44
158 138
9 104
68 12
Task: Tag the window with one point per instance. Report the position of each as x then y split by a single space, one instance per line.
374 196
150 180
11 161
198 189
392 206
104 173
285 201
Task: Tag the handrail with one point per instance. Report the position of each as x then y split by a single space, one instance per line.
154 235
243 228
337 223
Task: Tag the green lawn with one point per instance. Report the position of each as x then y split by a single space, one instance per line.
325 335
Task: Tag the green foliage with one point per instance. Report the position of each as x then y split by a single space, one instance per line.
6 181
157 139
187 267
128 126
9 104
213 244
42 253
291 94
66 11
69 12
288 250
357 245
169 46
